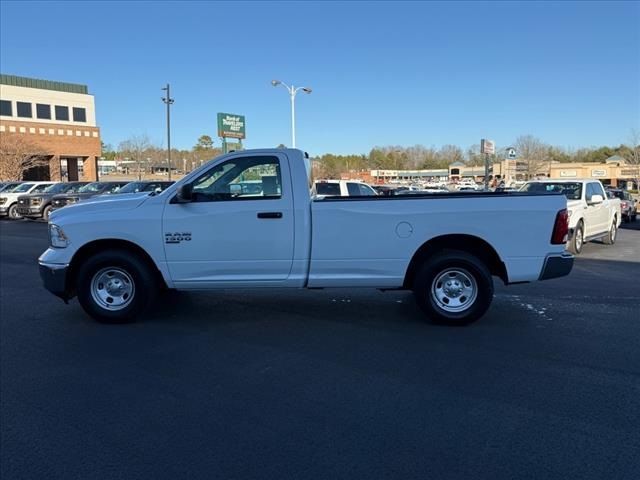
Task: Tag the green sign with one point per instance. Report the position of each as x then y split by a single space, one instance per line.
231 125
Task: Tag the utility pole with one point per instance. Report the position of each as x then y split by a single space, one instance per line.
168 101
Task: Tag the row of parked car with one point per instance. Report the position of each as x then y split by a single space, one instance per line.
37 200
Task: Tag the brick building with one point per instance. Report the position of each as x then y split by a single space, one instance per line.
59 118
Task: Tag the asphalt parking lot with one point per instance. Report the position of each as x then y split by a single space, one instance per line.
324 384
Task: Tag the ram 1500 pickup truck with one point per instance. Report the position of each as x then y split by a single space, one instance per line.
202 233
592 214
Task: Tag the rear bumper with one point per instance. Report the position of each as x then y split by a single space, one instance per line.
54 278
556 266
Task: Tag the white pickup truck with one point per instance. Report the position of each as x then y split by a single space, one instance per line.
592 214
202 233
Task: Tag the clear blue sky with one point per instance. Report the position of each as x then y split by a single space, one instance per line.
382 73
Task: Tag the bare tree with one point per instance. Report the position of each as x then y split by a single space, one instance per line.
17 155
633 156
534 153
451 154
137 149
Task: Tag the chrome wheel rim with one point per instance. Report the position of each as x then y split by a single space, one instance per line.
13 212
613 232
454 290
579 239
112 288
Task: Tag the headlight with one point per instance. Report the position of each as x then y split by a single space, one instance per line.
3 200
36 201
73 199
57 238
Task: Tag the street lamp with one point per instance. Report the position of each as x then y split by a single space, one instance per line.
168 101
292 94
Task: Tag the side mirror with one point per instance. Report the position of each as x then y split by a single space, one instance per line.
185 193
596 199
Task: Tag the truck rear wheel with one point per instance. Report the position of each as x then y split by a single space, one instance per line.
453 288
577 241
115 286
610 239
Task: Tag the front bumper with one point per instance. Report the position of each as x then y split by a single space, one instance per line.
30 211
4 211
54 277
556 266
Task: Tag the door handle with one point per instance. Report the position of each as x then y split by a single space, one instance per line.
270 215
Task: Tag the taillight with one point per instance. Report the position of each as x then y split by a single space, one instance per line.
560 228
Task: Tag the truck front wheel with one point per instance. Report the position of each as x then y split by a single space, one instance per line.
115 286
453 288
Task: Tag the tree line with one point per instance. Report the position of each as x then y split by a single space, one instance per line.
534 154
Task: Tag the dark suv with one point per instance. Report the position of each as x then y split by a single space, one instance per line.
628 206
38 205
85 192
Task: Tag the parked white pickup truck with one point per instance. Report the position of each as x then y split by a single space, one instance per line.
592 214
202 233
343 188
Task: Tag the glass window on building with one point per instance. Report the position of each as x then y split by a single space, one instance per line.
23 109
43 111
79 114
62 113
5 108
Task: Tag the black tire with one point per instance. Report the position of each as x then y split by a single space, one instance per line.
577 240
441 266
13 212
612 235
135 269
46 212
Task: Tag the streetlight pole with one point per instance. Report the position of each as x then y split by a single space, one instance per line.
168 101
292 94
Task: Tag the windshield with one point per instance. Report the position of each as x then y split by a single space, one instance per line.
571 190
132 187
22 188
60 188
91 187
9 187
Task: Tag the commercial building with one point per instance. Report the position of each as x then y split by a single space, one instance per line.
614 171
58 119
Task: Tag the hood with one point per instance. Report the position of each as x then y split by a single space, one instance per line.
106 203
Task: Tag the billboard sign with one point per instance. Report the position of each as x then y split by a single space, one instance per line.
487 146
231 125
568 173
598 173
511 153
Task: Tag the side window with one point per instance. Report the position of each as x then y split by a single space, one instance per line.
353 189
40 188
114 188
589 192
599 190
329 189
247 178
366 190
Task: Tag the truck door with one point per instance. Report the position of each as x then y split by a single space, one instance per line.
230 233
596 216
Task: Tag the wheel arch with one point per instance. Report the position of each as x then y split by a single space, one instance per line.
466 243
96 246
